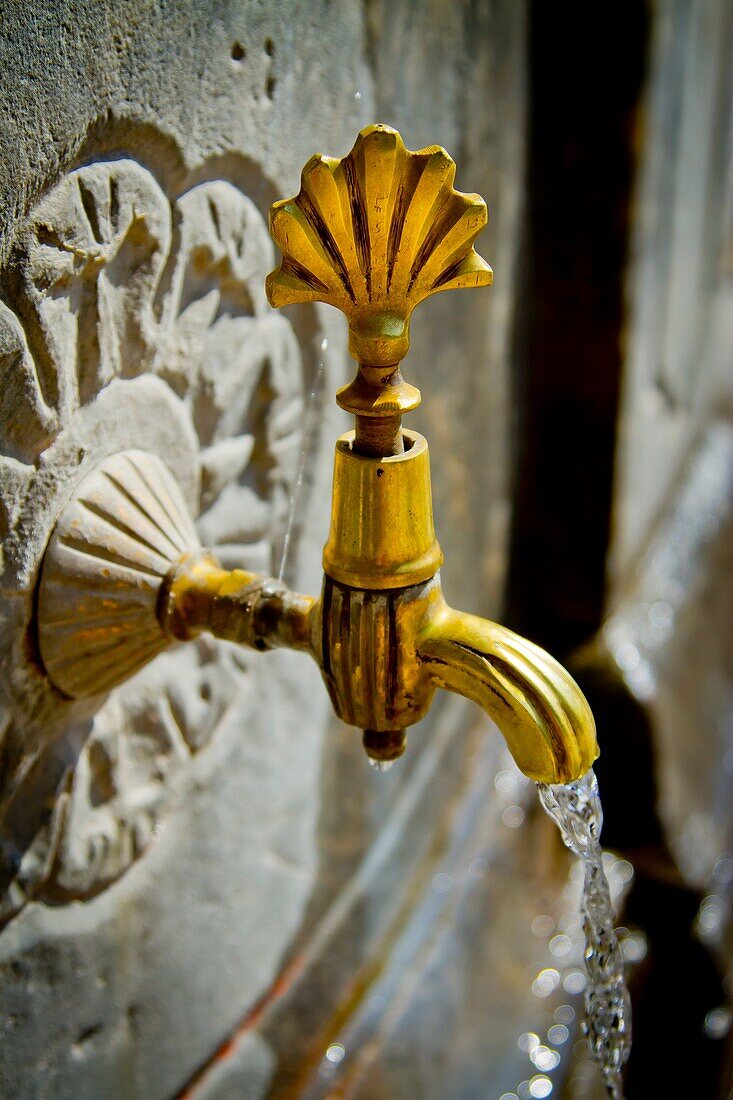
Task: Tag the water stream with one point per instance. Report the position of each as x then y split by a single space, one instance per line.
576 809
310 425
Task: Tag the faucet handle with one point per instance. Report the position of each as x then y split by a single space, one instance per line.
374 233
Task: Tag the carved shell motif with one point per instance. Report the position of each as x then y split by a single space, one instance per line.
374 234
124 527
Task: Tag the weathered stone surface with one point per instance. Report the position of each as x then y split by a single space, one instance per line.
669 634
157 968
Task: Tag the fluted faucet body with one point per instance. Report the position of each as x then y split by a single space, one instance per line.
373 234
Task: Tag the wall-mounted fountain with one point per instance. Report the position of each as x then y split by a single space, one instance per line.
124 576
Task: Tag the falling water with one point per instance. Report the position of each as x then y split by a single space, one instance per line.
576 808
309 415
381 765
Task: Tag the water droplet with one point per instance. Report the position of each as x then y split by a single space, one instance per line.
543 925
634 947
442 883
710 918
545 1059
324 344
546 982
540 1087
528 1042
564 1014
560 946
642 681
723 870
623 870
627 656
574 981
335 1053
717 1022
357 95
513 816
506 782
558 1034
660 614
381 765
478 868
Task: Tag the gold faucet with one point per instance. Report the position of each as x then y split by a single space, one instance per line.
372 234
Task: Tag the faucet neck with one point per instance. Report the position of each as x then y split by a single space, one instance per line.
378 397
382 534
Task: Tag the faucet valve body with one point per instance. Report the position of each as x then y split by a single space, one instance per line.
365 643
382 534
379 562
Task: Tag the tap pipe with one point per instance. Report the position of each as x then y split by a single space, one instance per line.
237 606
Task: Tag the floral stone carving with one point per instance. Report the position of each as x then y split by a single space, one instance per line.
129 323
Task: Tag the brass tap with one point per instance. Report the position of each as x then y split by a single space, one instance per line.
372 234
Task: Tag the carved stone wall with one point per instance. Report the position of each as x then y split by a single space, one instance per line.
126 334
177 853
133 320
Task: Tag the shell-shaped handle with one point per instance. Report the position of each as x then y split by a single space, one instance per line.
373 234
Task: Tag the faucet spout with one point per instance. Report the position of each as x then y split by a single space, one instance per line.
540 710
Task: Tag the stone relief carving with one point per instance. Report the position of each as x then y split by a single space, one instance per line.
129 322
